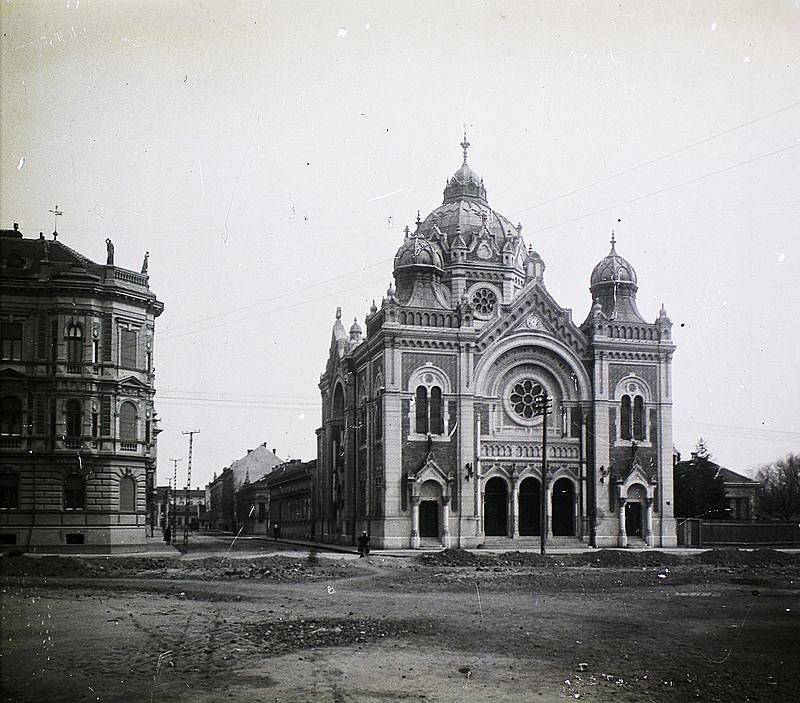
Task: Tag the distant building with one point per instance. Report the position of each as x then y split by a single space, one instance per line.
430 432
741 492
223 488
77 421
282 497
171 508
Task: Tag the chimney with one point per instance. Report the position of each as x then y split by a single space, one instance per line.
249 450
274 451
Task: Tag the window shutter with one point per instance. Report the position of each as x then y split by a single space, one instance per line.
105 416
38 415
127 357
107 337
41 338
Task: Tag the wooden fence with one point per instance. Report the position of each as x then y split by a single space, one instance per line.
694 532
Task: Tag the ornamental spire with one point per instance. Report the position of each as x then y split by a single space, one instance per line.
465 144
613 239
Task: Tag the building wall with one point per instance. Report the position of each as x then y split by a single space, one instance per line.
73 395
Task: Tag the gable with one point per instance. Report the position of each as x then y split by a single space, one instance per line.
534 310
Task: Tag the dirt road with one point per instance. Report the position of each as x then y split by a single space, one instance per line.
277 628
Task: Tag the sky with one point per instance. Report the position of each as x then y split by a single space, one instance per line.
269 154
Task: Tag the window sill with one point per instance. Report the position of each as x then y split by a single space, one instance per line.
415 437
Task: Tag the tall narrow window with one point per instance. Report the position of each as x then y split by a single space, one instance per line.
127 422
625 417
74 428
95 351
638 418
74 493
74 348
127 495
11 342
9 490
10 416
422 410
127 354
436 424
378 416
105 416
575 421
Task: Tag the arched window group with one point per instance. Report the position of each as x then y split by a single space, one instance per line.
428 412
632 418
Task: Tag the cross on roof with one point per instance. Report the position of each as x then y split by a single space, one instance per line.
465 144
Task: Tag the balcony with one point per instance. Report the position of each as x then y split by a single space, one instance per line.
73 442
74 368
10 441
128 446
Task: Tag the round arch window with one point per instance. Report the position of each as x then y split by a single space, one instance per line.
523 396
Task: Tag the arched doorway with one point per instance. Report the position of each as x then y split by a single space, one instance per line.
495 503
563 508
530 507
634 514
430 494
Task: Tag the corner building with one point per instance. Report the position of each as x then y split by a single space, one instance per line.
429 436
77 422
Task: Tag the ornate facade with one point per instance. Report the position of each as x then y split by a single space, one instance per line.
429 435
77 427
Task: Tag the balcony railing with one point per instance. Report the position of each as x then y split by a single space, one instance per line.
127 446
74 368
73 442
10 442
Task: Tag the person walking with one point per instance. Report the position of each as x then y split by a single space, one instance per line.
363 545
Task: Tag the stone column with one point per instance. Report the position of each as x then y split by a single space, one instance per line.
446 522
479 500
414 522
515 507
648 522
623 536
548 509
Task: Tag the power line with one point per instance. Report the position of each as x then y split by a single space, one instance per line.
669 188
657 159
267 312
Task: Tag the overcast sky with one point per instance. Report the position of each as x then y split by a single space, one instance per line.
269 154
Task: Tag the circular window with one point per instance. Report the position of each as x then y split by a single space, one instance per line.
523 397
483 301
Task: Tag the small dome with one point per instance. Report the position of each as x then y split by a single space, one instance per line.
613 269
418 251
355 327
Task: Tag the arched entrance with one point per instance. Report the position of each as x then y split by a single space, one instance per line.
530 507
430 493
634 513
563 508
495 503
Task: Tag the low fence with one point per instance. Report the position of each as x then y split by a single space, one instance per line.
694 532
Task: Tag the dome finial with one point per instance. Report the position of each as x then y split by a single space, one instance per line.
465 144
613 239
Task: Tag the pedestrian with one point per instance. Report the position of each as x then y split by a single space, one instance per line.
167 534
276 531
363 545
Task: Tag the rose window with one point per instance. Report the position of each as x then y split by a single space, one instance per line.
523 397
483 301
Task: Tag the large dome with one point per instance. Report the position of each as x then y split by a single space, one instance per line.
613 269
466 220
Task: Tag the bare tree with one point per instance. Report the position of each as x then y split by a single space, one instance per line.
780 485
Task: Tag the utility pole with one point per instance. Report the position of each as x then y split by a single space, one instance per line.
191 434
543 406
173 491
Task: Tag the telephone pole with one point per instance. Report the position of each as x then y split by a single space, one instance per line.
543 406
173 490
191 434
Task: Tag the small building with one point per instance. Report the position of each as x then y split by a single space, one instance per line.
78 423
173 509
256 463
741 492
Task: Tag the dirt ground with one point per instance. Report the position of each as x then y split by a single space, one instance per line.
601 626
